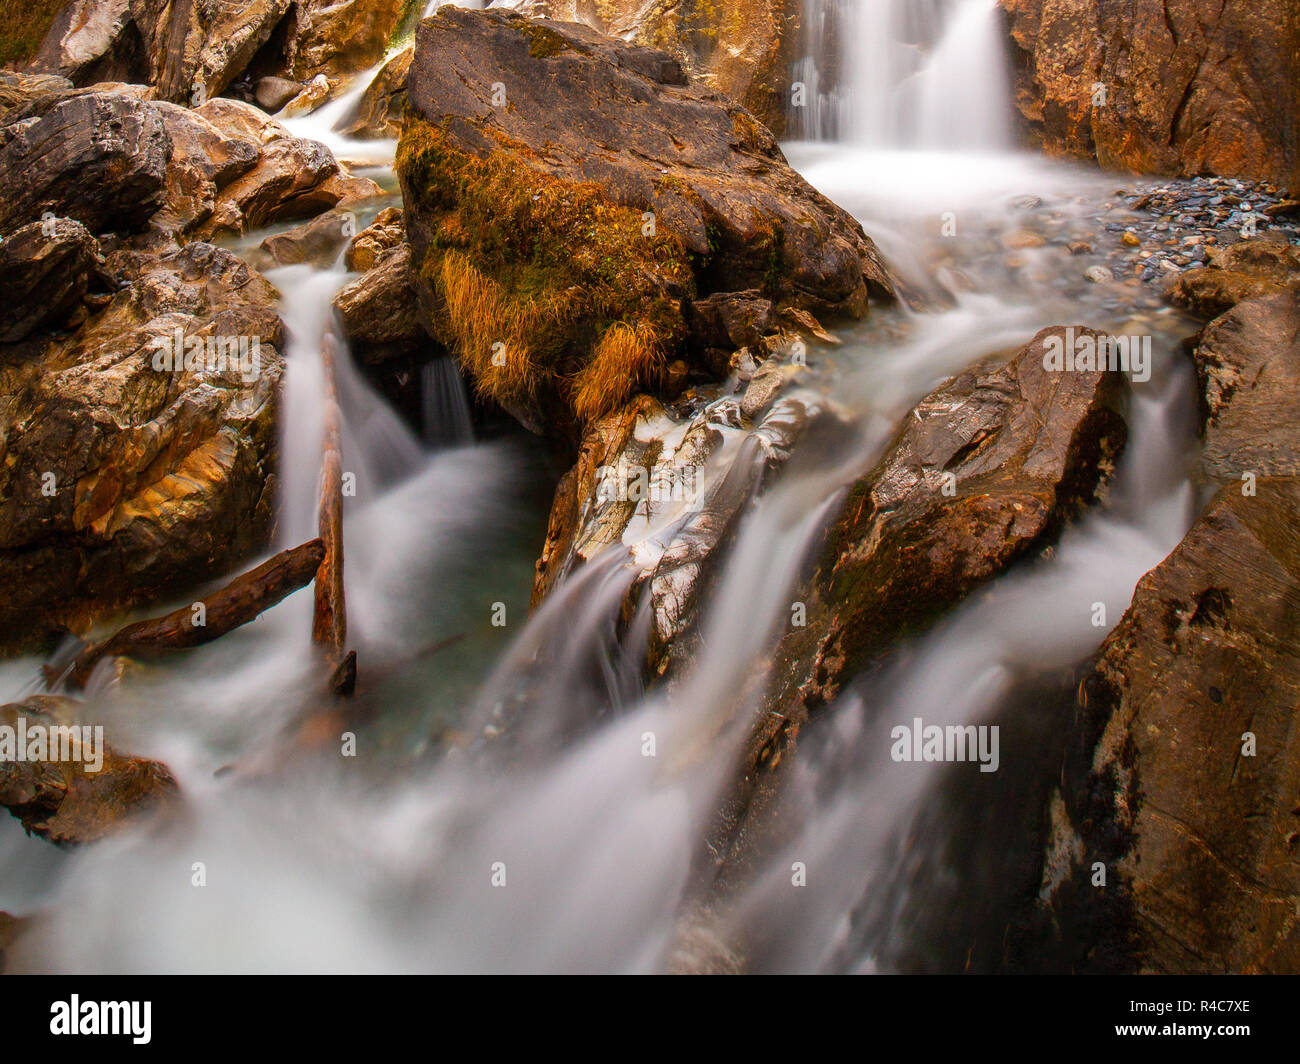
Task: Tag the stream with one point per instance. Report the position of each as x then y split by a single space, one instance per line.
565 849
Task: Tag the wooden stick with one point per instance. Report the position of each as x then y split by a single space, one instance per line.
329 627
239 602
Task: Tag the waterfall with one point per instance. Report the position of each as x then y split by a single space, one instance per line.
922 74
445 409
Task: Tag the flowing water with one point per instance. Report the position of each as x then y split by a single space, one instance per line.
504 815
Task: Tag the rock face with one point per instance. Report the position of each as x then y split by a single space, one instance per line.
1198 828
380 310
195 50
96 157
46 269
123 478
1190 86
1248 366
70 802
339 38
562 235
92 41
743 48
379 111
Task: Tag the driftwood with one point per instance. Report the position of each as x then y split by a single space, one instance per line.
329 627
236 604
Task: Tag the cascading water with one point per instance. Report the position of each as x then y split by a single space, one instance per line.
374 865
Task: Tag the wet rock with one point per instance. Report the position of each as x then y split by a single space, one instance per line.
194 51
242 121
380 310
273 93
319 241
46 269
386 231
293 179
986 470
96 157
732 319
125 478
1246 270
312 95
72 802
1099 274
1248 368
339 39
538 224
1186 768
203 162
1162 86
379 111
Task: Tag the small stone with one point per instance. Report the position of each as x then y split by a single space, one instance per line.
1098 274
1080 247
1130 238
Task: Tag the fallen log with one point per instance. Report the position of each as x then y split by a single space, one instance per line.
234 605
329 627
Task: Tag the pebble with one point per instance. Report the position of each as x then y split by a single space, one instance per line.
1098 274
1130 238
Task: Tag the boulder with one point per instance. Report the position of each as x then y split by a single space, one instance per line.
273 93
985 471
204 161
380 310
386 231
241 120
1182 87
125 476
92 41
97 157
72 802
561 237
194 51
338 38
1184 780
319 241
1248 369
46 269
1240 271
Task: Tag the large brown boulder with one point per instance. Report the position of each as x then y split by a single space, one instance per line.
380 310
1248 368
1190 86
562 232
76 801
1241 271
1186 782
122 477
100 158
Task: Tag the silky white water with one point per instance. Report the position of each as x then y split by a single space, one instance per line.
548 841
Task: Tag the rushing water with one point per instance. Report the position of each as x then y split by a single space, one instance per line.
559 846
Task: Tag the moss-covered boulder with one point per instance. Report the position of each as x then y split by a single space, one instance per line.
569 198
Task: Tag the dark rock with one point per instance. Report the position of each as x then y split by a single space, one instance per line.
274 93
379 112
46 268
1245 270
380 310
99 158
319 241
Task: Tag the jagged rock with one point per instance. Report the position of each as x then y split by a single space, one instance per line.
1198 836
96 157
1248 367
985 471
311 96
1190 86
18 90
744 48
386 231
379 111
242 121
572 226
1241 271
293 179
380 310
72 802
92 41
273 93
640 481
204 161
196 50
121 481
46 269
